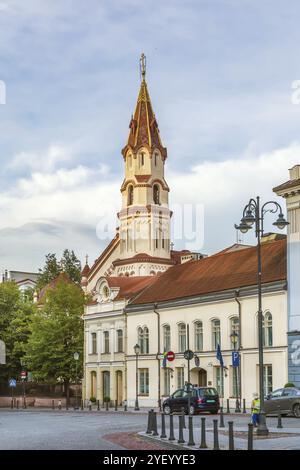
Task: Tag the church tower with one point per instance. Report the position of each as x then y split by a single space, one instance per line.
145 215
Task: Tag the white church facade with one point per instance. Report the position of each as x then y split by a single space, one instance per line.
144 292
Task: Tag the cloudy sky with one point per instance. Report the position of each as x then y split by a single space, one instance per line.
220 75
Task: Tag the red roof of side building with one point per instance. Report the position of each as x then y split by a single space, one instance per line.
62 277
130 286
217 273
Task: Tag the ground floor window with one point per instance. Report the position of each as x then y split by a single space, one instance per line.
106 386
235 382
180 377
144 381
167 376
268 379
219 381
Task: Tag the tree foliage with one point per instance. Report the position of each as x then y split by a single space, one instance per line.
56 334
69 263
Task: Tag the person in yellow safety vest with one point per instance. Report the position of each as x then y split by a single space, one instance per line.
255 409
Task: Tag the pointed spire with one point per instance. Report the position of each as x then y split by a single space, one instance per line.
143 126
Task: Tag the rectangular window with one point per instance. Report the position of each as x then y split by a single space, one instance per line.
106 342
144 381
235 380
219 381
119 340
167 375
94 343
268 379
180 377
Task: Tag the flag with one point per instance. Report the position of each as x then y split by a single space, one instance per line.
165 354
219 356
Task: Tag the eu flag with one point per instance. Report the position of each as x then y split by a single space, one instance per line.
219 356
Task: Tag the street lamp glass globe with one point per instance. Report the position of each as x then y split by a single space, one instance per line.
243 227
76 356
249 218
137 349
281 223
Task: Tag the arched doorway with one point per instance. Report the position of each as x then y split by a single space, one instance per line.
119 387
93 384
106 386
202 378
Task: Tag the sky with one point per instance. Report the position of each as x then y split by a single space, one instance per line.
220 75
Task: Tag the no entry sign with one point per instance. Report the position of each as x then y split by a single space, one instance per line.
171 356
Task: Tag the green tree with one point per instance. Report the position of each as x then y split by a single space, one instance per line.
71 265
49 272
15 316
56 333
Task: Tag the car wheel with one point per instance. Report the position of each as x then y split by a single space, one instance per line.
296 410
215 412
192 410
167 409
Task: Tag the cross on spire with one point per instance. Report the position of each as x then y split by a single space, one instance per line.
143 66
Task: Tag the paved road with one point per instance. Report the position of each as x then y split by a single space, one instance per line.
54 430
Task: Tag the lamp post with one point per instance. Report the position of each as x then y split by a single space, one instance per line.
234 340
254 215
137 352
76 358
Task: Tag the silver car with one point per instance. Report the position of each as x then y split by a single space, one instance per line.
286 399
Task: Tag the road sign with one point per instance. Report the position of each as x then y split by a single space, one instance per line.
235 359
197 361
12 383
188 354
170 356
23 375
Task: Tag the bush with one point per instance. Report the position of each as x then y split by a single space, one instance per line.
106 399
289 384
93 399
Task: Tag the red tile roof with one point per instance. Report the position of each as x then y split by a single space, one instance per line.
217 273
62 277
129 286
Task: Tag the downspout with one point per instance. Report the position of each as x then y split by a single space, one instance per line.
158 353
236 298
125 359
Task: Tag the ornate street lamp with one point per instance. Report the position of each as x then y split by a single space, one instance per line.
234 340
137 349
76 358
254 215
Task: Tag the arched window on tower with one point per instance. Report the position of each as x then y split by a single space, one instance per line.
130 195
156 195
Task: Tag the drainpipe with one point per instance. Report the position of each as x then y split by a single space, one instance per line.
236 298
158 352
125 358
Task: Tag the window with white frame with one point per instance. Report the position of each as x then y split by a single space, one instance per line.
119 340
167 337
94 343
180 377
144 381
268 379
182 337
235 381
219 382
268 329
198 326
167 380
143 340
234 332
216 333
106 342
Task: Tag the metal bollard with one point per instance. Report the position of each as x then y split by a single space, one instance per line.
149 424
12 404
163 426
125 405
67 405
279 424
183 417
180 436
154 424
82 405
106 405
244 406
237 406
53 407
191 432
25 406
90 407
17 404
172 437
98 405
250 436
231 436
116 405
203 444
228 408
216 436
222 425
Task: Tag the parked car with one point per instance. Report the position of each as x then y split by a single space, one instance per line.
201 399
286 399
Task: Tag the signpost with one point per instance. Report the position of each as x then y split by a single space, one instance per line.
235 359
12 384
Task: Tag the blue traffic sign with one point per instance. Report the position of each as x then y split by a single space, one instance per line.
235 359
12 383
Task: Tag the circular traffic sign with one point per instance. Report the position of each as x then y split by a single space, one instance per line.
188 354
171 356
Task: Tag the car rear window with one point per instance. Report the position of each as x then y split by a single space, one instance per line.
208 392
